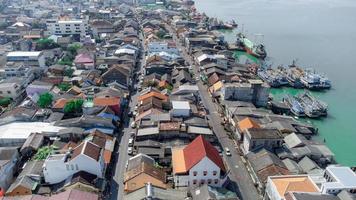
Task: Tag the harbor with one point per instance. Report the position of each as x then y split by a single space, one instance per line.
285 42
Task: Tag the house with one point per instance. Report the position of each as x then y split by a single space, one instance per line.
8 160
100 27
38 87
32 144
180 108
196 164
82 181
144 173
311 196
66 195
27 181
168 47
29 58
153 94
338 178
255 91
86 157
245 124
205 192
278 187
154 192
113 103
255 138
84 61
106 142
117 74
264 164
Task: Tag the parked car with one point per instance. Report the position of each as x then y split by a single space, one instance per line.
132 134
227 151
130 150
130 142
133 125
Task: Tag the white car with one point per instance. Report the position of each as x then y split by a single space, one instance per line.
227 151
130 151
130 142
133 125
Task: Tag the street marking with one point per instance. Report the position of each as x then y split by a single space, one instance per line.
236 166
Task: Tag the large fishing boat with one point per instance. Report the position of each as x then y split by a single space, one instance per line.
257 50
313 107
294 105
315 81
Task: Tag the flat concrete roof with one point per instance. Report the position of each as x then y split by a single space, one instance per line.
24 53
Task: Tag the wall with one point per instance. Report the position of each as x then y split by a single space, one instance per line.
205 165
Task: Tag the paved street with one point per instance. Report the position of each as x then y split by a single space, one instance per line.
117 187
240 177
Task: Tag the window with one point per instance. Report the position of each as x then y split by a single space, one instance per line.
76 167
67 166
194 182
216 181
9 92
195 173
202 181
209 181
72 166
0 92
214 173
205 173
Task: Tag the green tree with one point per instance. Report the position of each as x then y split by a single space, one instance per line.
46 43
64 86
68 72
45 100
5 101
73 49
43 153
74 106
66 60
161 33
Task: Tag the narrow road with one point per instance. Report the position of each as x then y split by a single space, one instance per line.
239 175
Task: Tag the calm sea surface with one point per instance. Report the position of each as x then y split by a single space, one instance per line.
320 34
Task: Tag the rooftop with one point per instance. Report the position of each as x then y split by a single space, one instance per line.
345 177
285 184
24 53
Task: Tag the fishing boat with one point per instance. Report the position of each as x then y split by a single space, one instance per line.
293 74
295 106
274 77
257 50
315 81
313 107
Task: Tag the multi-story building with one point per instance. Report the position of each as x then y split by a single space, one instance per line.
68 27
20 70
87 157
339 178
29 58
168 47
196 164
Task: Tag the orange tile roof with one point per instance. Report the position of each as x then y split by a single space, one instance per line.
106 101
107 156
60 103
285 184
248 123
153 94
148 112
178 161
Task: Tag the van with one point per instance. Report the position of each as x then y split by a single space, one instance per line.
130 142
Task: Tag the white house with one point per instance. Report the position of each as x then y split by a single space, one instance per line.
216 58
8 160
196 164
29 58
180 108
67 27
255 138
167 47
86 157
338 178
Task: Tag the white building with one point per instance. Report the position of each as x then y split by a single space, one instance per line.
29 58
337 179
220 60
278 186
20 70
167 47
16 133
180 108
255 138
67 27
11 89
196 164
86 157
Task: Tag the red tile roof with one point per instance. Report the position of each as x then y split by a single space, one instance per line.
197 150
83 58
